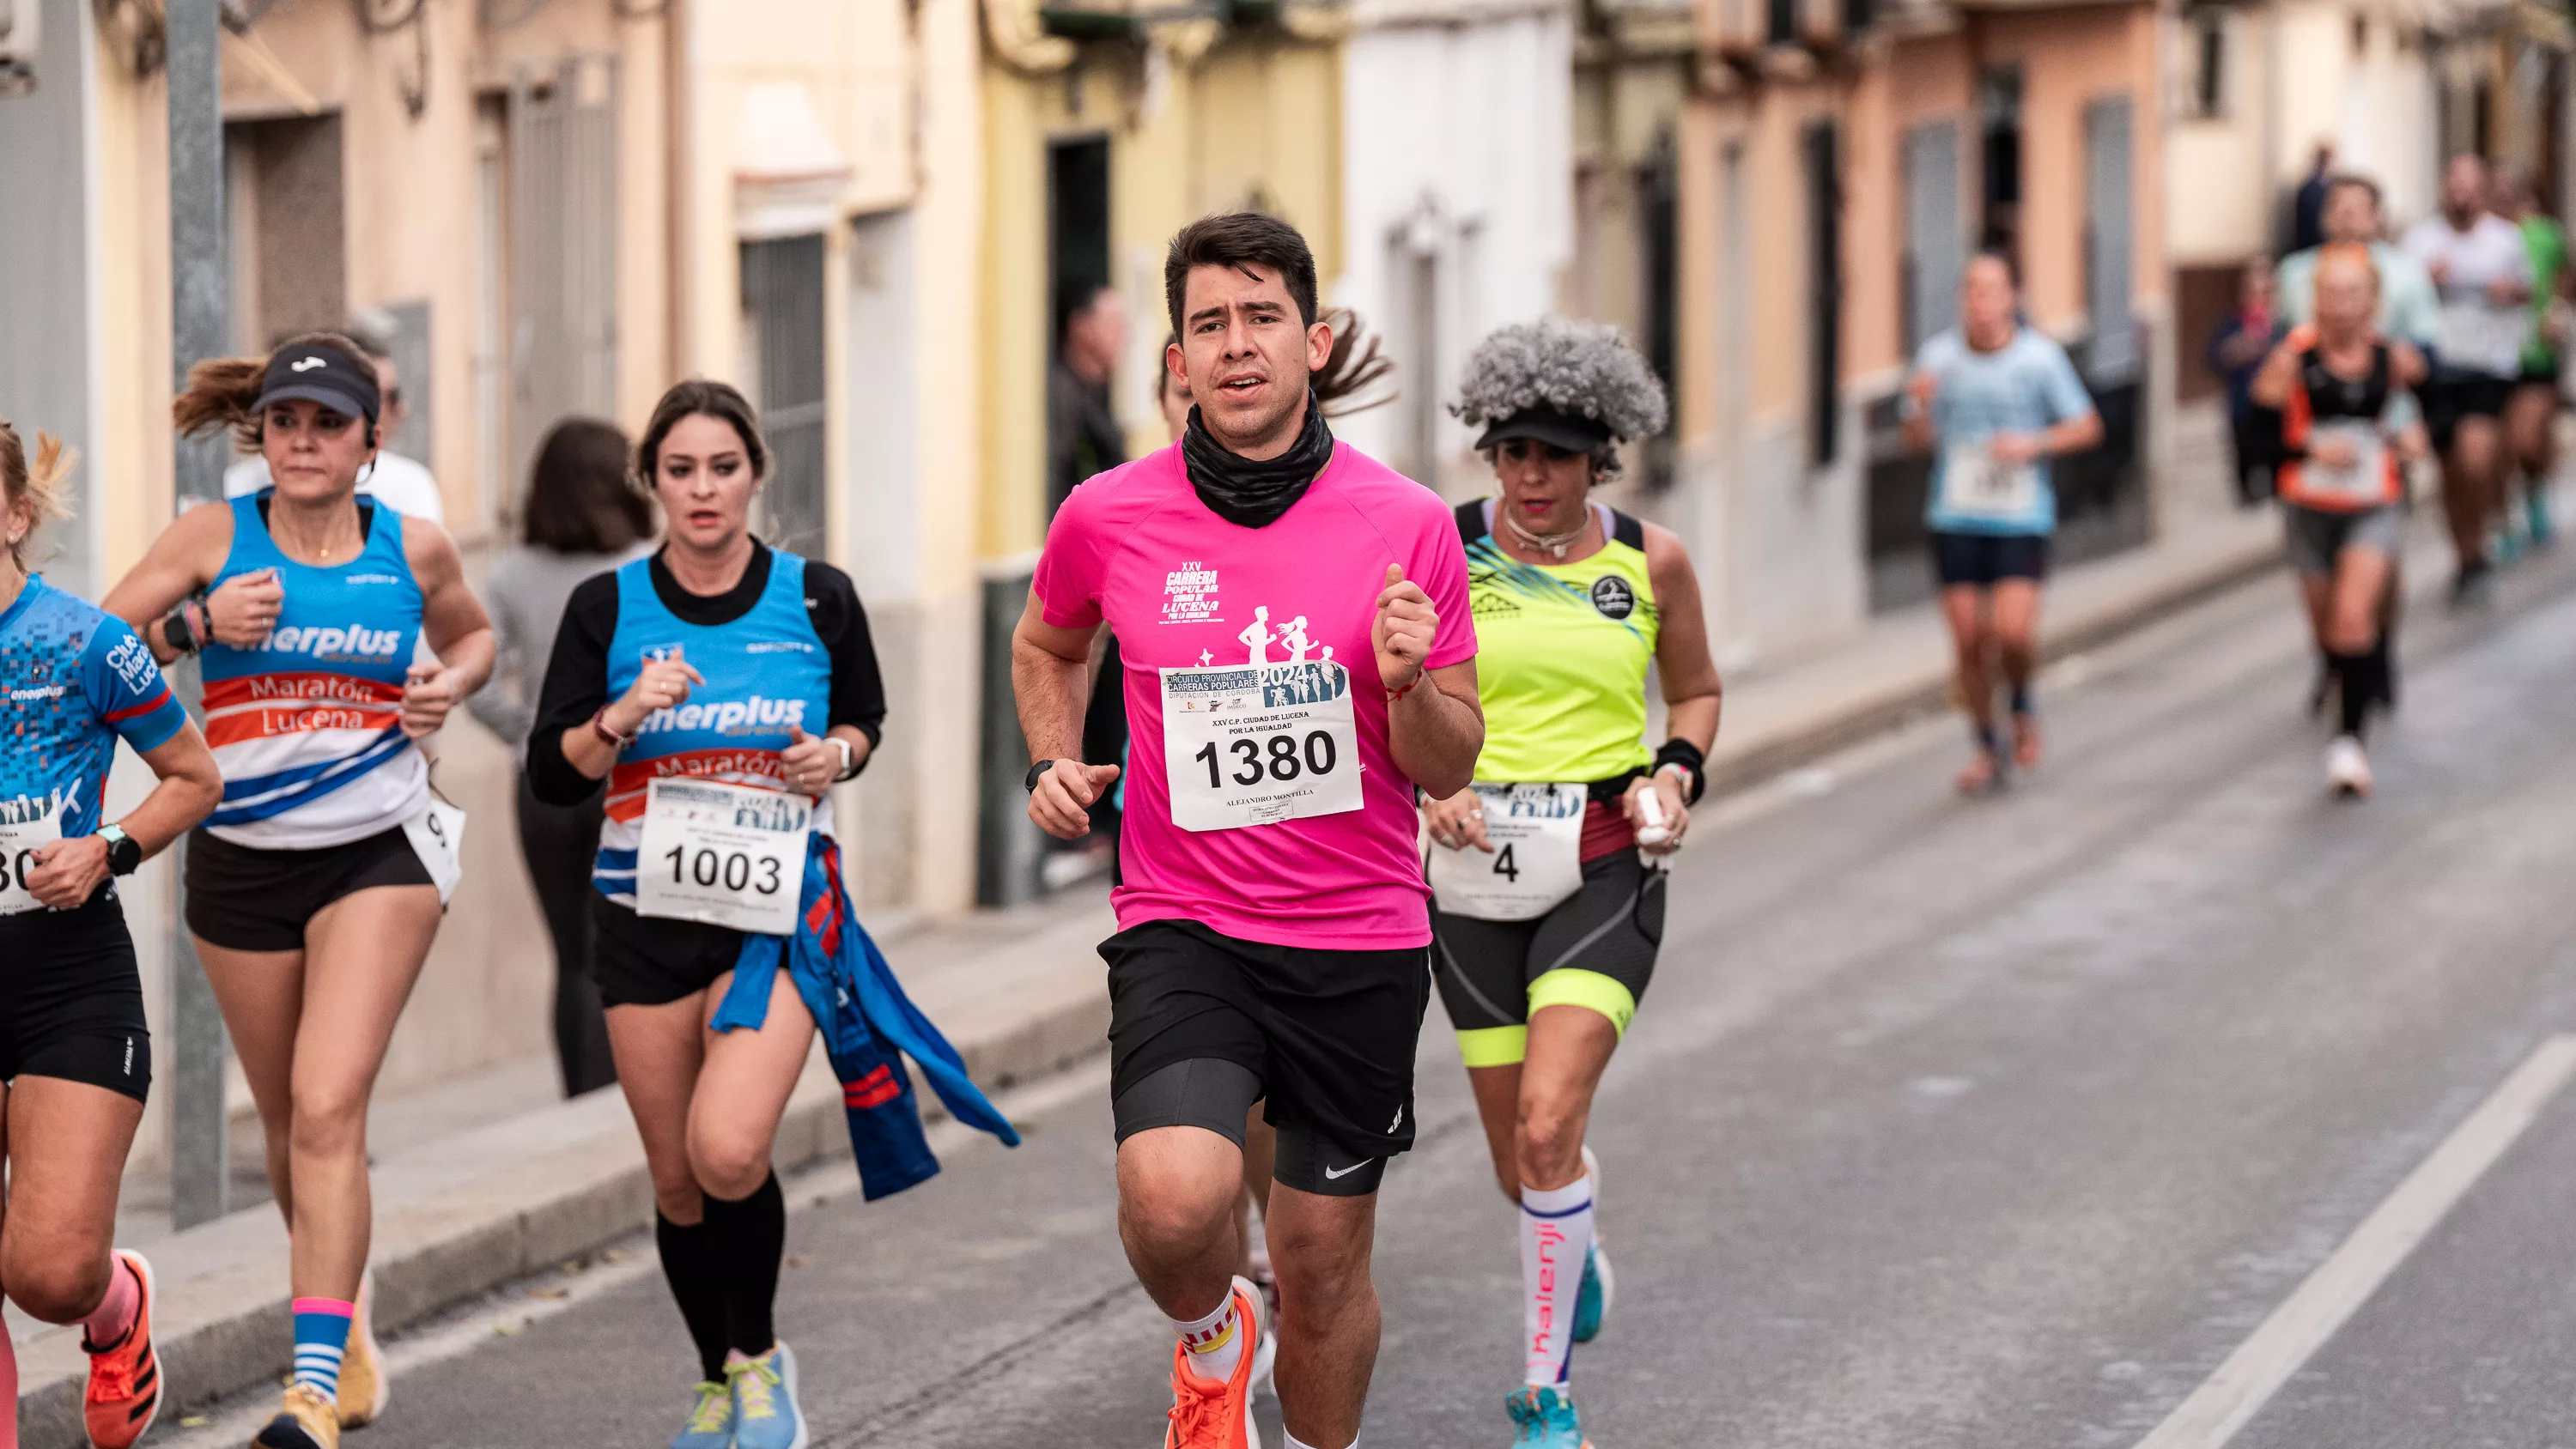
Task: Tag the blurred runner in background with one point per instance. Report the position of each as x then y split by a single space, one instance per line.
2482 271
2531 413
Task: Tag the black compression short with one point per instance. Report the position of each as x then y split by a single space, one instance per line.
244 898
1324 1038
1596 949
71 1000
641 961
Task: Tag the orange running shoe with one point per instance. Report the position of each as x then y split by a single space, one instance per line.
125 1379
1211 1415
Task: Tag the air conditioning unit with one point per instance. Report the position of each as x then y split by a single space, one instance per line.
18 28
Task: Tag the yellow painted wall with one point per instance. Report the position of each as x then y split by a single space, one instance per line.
1255 121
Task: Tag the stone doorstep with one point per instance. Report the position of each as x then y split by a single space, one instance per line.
462 1215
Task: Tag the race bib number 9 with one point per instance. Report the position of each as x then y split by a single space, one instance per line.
1256 744
728 855
18 846
1975 485
1537 861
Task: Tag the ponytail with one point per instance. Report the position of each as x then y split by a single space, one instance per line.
223 392
36 491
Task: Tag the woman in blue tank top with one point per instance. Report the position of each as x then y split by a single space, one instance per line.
718 689
75 1053
316 887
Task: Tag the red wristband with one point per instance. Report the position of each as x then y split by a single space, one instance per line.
599 727
1393 695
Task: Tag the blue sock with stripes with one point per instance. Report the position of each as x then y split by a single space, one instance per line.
321 1336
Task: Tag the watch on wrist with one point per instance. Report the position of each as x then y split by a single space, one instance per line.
124 853
849 759
1036 773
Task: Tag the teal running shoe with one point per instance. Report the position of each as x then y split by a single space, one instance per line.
1545 1419
710 1424
1592 1299
764 1402
2535 510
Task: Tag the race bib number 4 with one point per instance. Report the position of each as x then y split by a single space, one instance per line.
1537 861
18 846
728 855
1256 744
1975 485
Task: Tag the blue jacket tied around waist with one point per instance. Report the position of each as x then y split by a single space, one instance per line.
868 1027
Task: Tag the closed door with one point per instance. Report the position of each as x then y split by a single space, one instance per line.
782 309
2108 191
1935 242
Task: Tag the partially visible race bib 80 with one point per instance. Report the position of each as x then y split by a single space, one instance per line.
1256 744
728 855
18 846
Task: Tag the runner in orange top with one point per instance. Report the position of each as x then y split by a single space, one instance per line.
2343 390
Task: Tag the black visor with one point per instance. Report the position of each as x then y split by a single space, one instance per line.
1565 432
323 375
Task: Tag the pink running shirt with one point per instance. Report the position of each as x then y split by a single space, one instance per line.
1183 588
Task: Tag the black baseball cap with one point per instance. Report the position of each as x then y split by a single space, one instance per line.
325 375
1566 432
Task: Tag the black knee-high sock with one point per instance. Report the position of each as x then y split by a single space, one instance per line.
697 1279
2360 674
750 1237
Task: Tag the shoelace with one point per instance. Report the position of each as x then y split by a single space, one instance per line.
1525 1414
715 1406
753 1381
111 1379
1198 1417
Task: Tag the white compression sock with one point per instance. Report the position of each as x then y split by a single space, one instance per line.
1215 1343
1556 1233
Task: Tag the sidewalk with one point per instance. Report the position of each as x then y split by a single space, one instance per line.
473 1189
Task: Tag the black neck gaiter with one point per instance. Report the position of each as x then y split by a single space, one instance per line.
1254 494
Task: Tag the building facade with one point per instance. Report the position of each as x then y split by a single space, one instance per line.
1840 163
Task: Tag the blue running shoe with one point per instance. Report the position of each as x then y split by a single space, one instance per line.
1545 1419
765 1415
710 1424
1592 1299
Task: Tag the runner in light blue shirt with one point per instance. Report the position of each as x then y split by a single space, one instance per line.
1994 402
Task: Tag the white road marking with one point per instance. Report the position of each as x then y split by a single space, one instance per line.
510 1311
2230 1398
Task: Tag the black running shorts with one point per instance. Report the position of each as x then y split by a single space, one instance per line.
655 960
1325 1038
1984 559
244 898
1595 950
71 1000
2453 396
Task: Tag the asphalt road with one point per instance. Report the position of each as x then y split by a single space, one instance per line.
1947 1123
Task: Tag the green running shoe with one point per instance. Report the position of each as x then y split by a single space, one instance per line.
1545 1419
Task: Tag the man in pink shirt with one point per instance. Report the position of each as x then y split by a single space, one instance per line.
1273 930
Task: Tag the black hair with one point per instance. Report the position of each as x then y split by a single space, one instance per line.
1240 239
578 501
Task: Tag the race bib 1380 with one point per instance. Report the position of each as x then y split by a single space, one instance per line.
1255 744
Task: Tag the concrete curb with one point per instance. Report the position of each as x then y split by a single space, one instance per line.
462 1216
572 1181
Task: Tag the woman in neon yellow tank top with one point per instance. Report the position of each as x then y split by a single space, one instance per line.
1547 875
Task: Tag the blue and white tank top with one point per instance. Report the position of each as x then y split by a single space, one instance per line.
307 728
73 681
765 672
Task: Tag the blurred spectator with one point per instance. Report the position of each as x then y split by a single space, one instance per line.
1083 436
2236 352
582 517
2307 208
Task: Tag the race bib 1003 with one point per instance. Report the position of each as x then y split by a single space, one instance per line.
1255 744
728 855
18 846
1536 863
1974 484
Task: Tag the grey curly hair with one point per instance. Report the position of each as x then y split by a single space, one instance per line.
1583 368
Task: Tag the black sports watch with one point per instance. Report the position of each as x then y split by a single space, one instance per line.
124 854
1036 773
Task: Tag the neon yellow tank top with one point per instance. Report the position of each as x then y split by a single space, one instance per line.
1561 656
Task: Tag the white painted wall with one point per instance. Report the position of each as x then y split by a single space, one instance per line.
1457 138
2377 105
